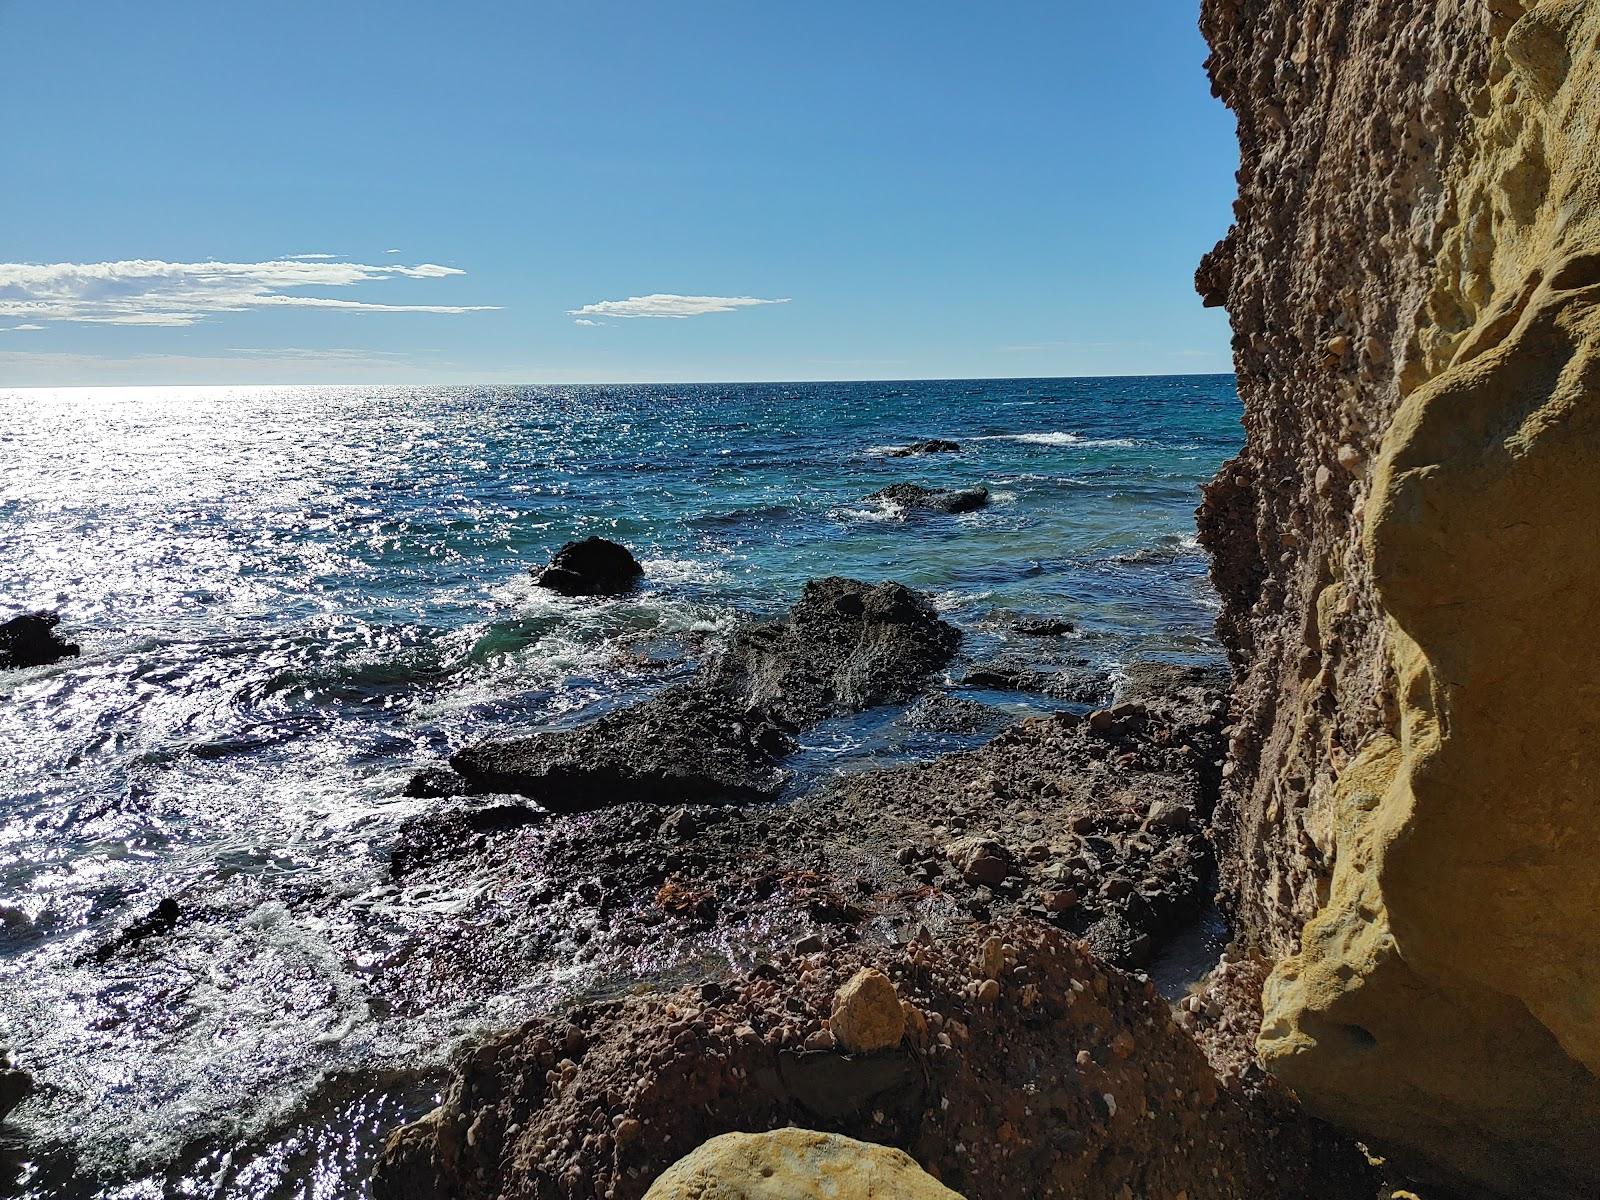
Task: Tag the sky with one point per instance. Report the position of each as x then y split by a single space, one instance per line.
607 191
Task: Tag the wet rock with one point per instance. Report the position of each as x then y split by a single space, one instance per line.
790 1163
440 835
944 713
688 744
866 1013
158 921
1073 683
844 647
31 641
15 1087
913 496
927 446
595 566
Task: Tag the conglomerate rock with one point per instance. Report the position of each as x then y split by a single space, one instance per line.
1028 1069
1406 552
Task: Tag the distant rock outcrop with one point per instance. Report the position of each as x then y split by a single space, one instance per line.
948 500
928 446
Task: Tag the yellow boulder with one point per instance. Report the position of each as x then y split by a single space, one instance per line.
791 1164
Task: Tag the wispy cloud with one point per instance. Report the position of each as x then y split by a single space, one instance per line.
22 329
311 257
149 292
668 305
586 321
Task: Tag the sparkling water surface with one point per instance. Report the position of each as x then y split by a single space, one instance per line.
289 598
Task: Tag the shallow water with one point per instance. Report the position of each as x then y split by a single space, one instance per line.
289 598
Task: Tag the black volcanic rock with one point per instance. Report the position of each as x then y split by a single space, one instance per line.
948 500
31 641
595 566
927 446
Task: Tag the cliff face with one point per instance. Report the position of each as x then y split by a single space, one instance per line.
1409 554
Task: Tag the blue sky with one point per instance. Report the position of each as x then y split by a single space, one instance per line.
507 190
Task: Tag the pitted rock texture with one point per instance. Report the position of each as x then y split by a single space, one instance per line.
1405 548
787 1163
1028 1068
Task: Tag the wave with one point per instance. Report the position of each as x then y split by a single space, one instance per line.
1059 438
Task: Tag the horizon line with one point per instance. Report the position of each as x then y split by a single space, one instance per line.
49 387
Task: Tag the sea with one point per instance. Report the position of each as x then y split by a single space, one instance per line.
290 598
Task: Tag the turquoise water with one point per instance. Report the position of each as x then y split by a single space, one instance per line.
290 598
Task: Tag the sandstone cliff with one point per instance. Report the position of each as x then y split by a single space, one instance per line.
1407 551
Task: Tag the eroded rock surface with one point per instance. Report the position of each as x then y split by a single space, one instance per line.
1026 1069
1406 553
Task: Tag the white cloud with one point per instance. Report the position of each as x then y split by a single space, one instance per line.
24 329
668 305
311 257
391 252
586 321
149 292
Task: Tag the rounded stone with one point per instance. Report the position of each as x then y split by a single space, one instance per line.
789 1163
866 1013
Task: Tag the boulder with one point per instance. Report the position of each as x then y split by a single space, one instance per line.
595 566
31 641
788 1164
914 497
866 1013
926 446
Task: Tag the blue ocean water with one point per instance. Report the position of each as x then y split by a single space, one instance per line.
289 598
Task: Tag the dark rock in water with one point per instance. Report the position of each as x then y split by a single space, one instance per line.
435 783
158 921
31 641
844 647
592 567
948 500
14 1089
944 713
1075 684
690 743
440 835
927 446
1039 626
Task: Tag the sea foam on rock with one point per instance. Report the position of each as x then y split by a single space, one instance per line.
596 566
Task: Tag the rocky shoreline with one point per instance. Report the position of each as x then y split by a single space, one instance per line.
994 886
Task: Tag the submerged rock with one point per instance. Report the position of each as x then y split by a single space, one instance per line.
789 1163
595 566
926 446
31 641
913 496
